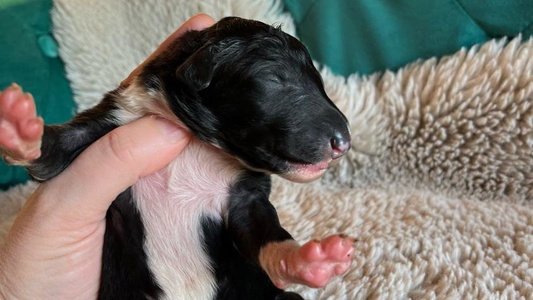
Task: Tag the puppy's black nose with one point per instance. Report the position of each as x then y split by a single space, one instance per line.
340 144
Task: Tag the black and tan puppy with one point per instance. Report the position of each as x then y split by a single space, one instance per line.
203 227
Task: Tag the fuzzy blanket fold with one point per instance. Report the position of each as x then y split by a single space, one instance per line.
438 187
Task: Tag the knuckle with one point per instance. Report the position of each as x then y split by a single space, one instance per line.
120 147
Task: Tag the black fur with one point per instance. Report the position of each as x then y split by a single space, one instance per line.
61 144
290 119
234 247
243 86
125 272
252 220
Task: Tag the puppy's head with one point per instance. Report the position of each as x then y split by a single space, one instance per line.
253 91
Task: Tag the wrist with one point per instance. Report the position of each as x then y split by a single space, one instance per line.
273 259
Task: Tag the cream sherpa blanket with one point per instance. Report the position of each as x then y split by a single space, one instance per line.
438 188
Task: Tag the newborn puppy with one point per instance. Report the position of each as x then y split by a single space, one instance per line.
203 227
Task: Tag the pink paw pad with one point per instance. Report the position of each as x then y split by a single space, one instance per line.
20 128
316 262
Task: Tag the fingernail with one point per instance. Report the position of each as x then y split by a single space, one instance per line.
14 86
173 132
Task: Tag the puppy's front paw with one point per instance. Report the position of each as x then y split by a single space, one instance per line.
20 128
312 264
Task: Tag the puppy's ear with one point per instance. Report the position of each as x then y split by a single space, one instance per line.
197 70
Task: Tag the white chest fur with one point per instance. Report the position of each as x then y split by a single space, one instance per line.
171 204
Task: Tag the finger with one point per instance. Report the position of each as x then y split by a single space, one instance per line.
111 165
197 22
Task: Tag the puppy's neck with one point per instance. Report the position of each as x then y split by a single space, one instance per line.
172 203
135 101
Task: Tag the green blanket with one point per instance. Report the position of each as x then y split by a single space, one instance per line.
29 57
366 36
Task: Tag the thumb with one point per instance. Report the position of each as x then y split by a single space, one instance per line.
114 163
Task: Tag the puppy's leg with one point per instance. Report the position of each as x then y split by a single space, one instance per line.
252 221
258 235
47 150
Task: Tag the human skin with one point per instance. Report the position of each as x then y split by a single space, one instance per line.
54 249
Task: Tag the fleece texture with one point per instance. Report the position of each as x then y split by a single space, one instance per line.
437 188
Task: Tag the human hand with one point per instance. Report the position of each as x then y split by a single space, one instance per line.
54 249
197 22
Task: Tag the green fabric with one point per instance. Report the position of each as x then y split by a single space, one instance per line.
500 17
366 36
28 56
